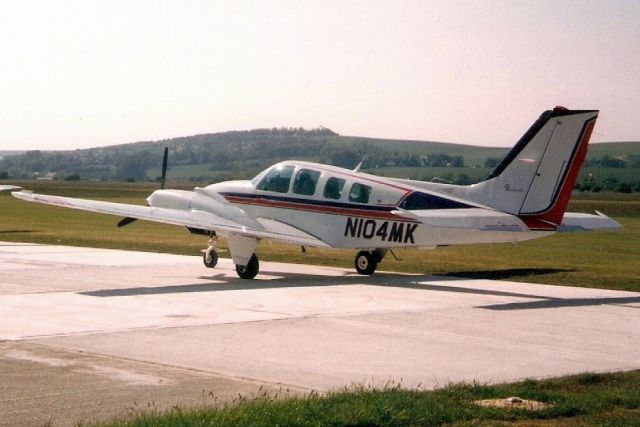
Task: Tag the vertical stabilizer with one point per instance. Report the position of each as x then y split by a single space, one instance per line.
534 181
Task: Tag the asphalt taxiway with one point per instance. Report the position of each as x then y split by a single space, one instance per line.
93 333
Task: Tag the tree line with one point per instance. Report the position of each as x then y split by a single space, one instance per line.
241 154
237 151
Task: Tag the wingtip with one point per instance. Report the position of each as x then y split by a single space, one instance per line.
23 195
613 223
9 188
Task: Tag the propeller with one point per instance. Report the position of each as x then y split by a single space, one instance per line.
163 177
126 221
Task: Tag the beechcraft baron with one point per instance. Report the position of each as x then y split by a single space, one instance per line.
311 204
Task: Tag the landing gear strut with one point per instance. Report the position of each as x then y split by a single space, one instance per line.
250 270
210 257
366 262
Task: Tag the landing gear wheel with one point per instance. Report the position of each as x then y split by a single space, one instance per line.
250 270
210 258
366 263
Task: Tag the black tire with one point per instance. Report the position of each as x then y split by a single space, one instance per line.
365 263
250 270
210 258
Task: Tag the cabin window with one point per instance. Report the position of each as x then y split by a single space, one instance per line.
359 193
333 188
277 179
305 182
418 201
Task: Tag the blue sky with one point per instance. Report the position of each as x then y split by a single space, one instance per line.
86 73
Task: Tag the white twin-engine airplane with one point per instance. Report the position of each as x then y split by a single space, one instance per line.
311 204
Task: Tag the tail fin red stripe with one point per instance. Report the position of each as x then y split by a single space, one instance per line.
552 218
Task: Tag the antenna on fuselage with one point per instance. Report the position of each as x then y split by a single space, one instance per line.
357 168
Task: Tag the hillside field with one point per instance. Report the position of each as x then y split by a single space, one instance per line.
207 158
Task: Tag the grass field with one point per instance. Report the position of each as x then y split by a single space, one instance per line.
605 259
587 399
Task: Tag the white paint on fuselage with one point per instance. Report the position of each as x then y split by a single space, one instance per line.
344 224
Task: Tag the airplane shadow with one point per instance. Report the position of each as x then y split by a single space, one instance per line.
507 273
562 303
291 280
18 231
295 280
225 283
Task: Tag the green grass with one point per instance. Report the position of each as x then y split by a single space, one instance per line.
587 399
604 259
204 173
599 174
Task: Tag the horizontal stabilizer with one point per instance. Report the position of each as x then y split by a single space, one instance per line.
472 219
584 222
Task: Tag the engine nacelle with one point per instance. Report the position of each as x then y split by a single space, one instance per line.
201 200
171 199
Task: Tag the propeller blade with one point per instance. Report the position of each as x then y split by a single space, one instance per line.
126 221
163 177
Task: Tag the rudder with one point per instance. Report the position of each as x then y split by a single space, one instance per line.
534 181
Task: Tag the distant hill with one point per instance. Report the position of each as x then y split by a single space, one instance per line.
213 157
5 153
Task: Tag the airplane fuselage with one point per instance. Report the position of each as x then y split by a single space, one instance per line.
368 210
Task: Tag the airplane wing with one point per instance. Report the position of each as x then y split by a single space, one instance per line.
192 218
9 188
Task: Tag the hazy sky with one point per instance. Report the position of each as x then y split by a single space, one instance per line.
90 73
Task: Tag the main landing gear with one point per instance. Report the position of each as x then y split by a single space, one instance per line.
210 259
366 262
250 270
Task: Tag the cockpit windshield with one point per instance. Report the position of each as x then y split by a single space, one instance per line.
276 179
